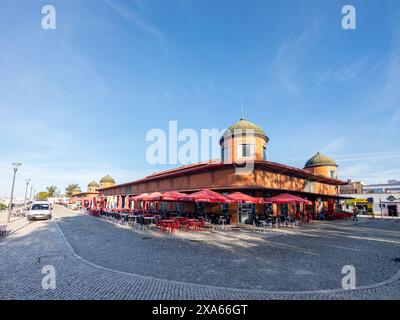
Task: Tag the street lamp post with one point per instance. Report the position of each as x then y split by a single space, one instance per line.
30 195
26 191
15 167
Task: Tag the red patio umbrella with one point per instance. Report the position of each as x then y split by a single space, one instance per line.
170 196
287 198
206 195
140 196
151 196
239 197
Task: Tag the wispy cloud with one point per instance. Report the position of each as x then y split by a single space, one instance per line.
136 19
368 174
334 146
385 99
288 59
342 72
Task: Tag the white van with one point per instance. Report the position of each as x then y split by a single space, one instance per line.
39 210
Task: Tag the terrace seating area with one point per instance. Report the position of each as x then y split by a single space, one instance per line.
151 215
163 221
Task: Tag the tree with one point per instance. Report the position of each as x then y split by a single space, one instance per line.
2 206
71 189
51 191
42 195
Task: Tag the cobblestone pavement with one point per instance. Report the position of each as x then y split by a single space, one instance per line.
95 259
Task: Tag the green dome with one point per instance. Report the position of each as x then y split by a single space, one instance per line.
94 184
107 178
244 125
320 160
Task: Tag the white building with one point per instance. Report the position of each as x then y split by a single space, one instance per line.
392 186
386 204
380 199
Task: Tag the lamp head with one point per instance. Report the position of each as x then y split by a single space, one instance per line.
16 165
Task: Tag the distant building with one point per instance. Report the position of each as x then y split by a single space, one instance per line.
92 189
352 187
390 187
380 199
385 204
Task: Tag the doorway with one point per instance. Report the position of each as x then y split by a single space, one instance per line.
246 213
392 210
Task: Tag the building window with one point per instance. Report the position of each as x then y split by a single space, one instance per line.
264 155
333 174
246 150
225 153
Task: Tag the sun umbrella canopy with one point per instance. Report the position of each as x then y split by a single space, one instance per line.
140 196
152 196
170 196
206 195
239 197
287 198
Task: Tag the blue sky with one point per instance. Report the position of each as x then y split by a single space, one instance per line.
77 102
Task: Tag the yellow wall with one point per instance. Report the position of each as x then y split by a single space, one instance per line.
107 184
234 143
323 170
92 189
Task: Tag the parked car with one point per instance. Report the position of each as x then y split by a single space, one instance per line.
40 210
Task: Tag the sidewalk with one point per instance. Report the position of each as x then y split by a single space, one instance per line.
15 224
377 217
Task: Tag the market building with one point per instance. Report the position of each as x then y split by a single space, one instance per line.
242 144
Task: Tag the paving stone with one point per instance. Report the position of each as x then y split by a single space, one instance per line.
110 262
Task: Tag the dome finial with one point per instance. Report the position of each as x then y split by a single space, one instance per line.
241 109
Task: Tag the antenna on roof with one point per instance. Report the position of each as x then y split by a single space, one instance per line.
241 109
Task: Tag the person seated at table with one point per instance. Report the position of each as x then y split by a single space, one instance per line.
256 221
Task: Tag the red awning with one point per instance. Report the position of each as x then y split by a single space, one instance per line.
206 196
239 197
287 198
170 196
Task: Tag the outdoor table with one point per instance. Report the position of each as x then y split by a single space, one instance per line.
168 223
222 221
264 224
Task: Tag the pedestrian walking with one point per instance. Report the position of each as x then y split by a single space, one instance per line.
355 214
